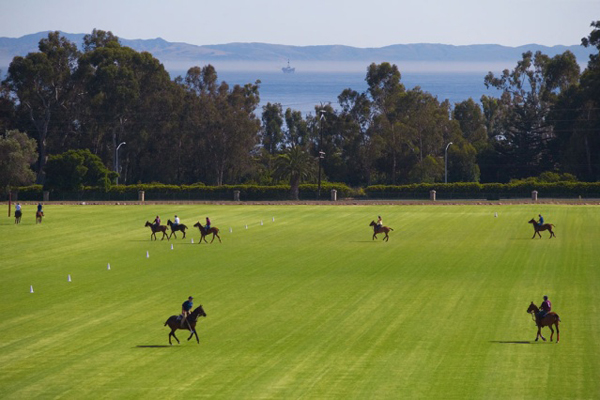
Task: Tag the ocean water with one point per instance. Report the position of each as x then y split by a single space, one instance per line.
301 91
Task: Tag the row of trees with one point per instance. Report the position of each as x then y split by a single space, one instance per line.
196 129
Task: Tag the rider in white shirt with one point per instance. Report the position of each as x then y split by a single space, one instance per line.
176 222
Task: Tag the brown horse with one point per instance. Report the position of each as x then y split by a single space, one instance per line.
38 217
540 228
550 319
175 228
378 230
18 215
160 228
203 232
174 323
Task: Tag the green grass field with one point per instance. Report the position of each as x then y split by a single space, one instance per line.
305 306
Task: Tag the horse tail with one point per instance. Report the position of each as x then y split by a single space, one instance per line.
391 229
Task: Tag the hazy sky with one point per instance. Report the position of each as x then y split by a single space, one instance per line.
359 23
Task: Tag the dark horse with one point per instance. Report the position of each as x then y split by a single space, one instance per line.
203 232
174 323
550 319
18 215
175 228
38 217
540 228
160 228
378 230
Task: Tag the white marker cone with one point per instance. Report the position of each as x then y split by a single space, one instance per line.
246 226
171 246
108 266
230 230
192 240
147 254
69 278
31 289
496 215
261 223
273 219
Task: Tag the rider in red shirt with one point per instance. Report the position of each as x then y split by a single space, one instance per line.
545 307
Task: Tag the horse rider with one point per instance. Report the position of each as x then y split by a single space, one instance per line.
379 223
541 221
176 221
545 308
207 227
185 311
157 221
39 208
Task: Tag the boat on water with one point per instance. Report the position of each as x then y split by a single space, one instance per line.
288 69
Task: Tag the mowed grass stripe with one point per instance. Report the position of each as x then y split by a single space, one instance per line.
306 306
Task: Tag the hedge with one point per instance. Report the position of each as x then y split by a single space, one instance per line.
493 191
158 192
462 190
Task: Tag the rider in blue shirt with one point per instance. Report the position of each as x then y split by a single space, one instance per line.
541 221
185 310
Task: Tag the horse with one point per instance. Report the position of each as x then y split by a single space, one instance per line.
38 217
203 232
160 228
175 228
537 228
174 322
550 319
378 230
18 215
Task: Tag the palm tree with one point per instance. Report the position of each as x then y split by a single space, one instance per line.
297 165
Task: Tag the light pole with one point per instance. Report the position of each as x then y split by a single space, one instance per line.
117 159
446 163
321 153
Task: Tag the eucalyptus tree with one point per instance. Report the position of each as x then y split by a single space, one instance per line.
44 86
529 91
127 103
17 153
576 118
362 146
385 92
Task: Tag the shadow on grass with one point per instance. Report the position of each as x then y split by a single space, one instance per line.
511 341
152 346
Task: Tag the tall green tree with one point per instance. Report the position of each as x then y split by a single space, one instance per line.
529 91
17 153
43 85
576 118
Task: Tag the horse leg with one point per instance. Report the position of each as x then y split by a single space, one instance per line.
172 333
374 236
557 333
183 234
551 330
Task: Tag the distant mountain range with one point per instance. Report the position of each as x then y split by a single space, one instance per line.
180 56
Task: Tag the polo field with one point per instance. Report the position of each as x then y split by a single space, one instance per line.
300 302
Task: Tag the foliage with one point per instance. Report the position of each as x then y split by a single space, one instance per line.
296 165
196 128
17 153
75 169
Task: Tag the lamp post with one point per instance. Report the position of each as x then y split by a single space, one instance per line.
446 163
117 159
321 153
